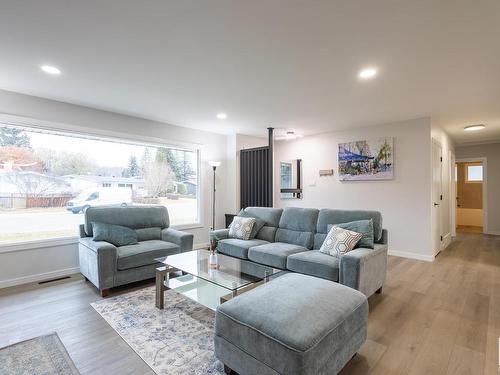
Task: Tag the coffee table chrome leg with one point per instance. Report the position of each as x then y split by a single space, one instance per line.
235 293
161 273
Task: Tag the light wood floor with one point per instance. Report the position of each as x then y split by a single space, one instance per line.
432 318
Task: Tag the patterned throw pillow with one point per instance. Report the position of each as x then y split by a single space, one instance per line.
241 227
339 241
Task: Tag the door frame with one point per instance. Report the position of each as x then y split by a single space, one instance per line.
439 219
482 160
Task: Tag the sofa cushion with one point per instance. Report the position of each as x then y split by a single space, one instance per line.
273 254
365 227
304 239
329 216
271 218
238 248
259 223
144 253
294 324
134 217
117 235
314 263
146 234
299 219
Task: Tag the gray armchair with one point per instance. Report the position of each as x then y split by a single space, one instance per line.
106 265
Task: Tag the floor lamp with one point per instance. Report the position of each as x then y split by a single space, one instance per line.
214 165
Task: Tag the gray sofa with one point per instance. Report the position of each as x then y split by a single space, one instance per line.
107 266
290 240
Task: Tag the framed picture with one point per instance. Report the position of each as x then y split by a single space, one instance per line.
366 160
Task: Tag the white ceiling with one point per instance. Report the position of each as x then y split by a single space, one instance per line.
283 63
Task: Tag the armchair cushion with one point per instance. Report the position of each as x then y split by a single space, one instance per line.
146 234
144 253
115 234
182 239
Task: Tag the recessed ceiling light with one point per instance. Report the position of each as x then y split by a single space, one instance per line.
367 73
50 69
221 116
473 128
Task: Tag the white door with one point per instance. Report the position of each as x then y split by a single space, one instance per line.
437 196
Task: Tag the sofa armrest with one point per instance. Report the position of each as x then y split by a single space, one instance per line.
98 262
220 234
81 229
183 239
364 269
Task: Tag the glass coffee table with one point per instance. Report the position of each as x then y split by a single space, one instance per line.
208 284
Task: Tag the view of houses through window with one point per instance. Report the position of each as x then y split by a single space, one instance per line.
48 179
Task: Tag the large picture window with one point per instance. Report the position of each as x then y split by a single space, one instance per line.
47 180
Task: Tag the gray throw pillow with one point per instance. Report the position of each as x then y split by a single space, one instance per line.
339 241
114 234
365 227
259 223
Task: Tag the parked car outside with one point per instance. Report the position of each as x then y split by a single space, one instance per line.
105 196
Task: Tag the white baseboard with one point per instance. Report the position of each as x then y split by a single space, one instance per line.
406 254
38 277
493 232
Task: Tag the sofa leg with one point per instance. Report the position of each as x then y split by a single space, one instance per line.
85 279
379 290
228 370
104 293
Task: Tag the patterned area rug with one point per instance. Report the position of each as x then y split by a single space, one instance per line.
44 355
174 341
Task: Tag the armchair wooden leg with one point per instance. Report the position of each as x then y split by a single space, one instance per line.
379 290
104 293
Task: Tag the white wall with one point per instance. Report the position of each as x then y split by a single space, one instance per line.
492 154
403 201
17 265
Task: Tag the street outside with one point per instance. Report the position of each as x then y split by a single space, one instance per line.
30 224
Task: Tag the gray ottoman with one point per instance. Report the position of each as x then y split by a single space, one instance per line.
294 325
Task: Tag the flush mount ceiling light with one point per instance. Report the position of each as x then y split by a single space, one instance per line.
367 73
473 128
221 116
51 70
289 134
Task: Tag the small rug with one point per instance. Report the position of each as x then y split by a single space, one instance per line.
176 340
43 355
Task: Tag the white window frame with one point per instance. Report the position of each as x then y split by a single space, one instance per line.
110 136
467 181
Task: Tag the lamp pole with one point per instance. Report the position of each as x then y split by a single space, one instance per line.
214 165
213 201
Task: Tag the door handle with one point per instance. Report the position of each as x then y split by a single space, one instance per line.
436 204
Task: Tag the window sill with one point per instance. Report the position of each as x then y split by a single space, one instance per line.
53 242
187 226
37 244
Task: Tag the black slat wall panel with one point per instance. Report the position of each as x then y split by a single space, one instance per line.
255 178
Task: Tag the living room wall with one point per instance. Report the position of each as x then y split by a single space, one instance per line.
403 201
24 263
